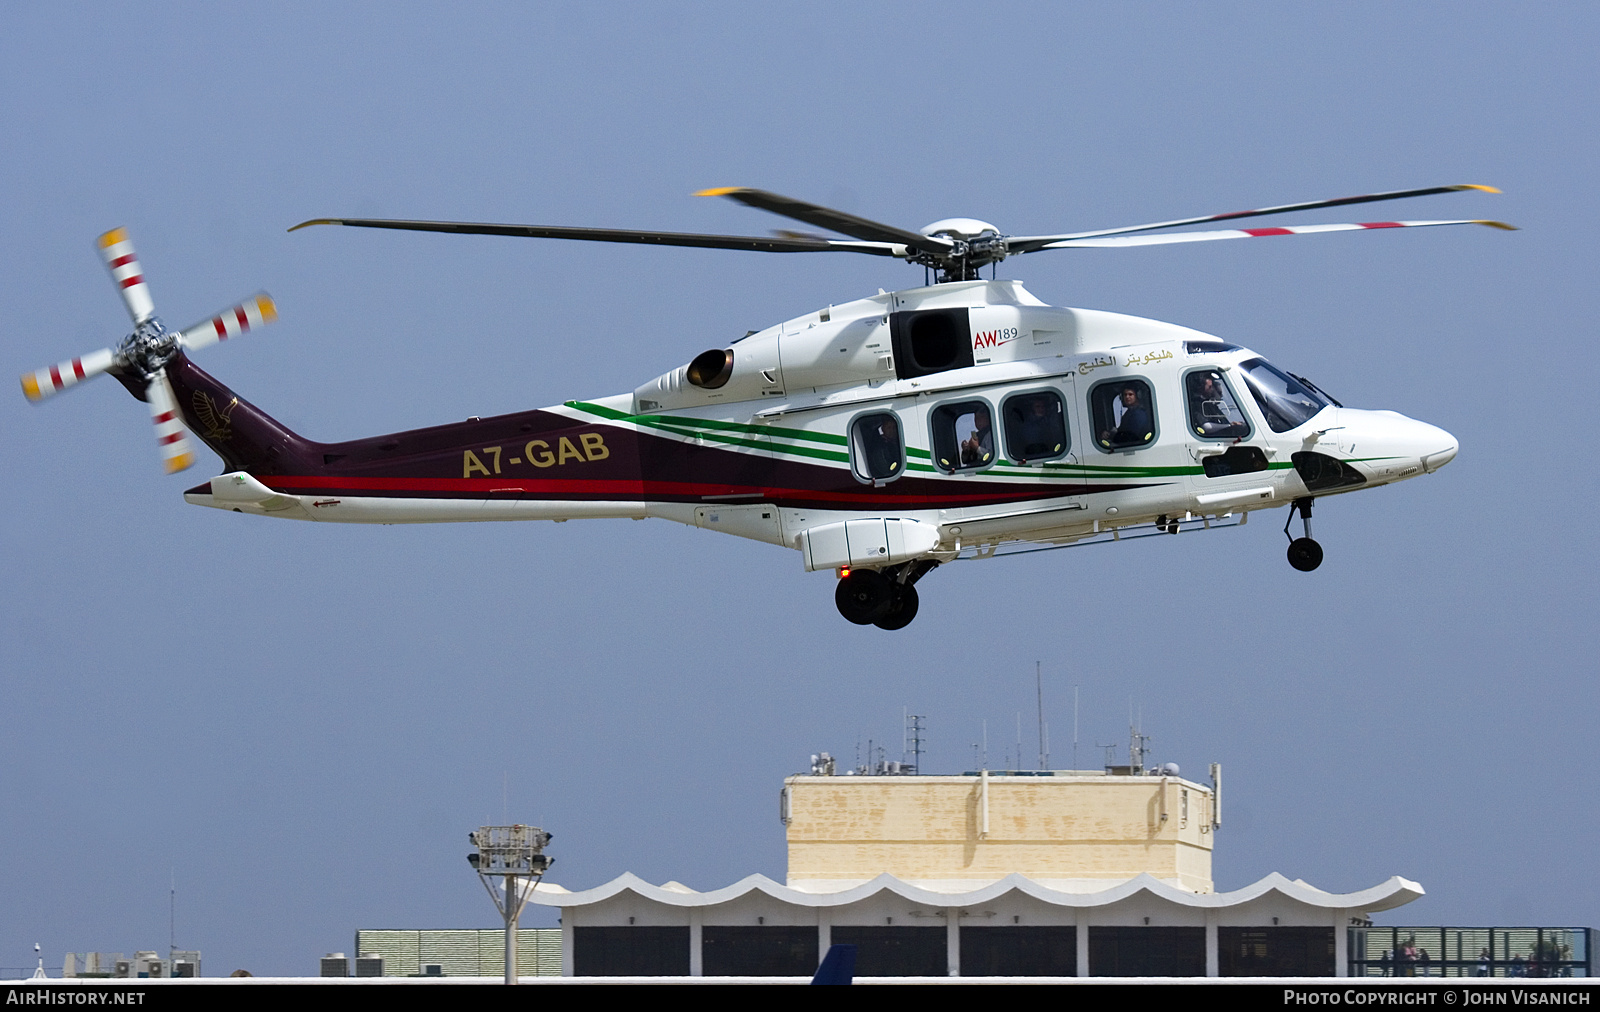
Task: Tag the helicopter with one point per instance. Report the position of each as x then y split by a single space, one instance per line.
879 438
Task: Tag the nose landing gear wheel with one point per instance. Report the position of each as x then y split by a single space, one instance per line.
1305 554
864 597
902 608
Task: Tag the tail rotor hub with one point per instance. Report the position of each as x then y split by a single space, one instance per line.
148 349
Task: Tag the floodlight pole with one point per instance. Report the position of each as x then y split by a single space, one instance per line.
510 853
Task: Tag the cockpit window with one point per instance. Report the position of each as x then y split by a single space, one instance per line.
1283 399
1213 411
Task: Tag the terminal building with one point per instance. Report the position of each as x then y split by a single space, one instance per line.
1039 873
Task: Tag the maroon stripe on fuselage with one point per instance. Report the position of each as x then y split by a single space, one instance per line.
624 490
547 455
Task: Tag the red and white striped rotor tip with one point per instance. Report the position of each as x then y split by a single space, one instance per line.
176 452
53 379
116 249
1167 238
256 311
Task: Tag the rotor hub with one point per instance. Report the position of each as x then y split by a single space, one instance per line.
149 348
959 228
974 244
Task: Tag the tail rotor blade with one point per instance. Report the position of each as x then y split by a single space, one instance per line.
176 451
256 311
47 382
117 251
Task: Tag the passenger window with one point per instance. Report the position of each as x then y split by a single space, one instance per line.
1123 414
1213 410
876 448
963 436
1036 426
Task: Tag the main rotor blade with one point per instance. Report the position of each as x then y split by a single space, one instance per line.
1251 233
756 243
48 382
117 251
1030 243
256 311
176 452
827 217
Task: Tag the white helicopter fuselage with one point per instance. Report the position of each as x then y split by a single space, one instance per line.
880 438
772 438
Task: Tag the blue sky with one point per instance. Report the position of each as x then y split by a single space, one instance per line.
302 722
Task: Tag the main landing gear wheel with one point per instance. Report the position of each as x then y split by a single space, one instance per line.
865 596
902 608
1305 554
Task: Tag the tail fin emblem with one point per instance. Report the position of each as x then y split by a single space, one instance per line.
216 421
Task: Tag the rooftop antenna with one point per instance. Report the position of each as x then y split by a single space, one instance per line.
985 746
1138 744
172 916
913 742
1019 740
1074 727
1038 688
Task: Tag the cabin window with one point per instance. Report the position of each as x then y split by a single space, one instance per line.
1123 413
1036 426
963 436
1214 412
877 451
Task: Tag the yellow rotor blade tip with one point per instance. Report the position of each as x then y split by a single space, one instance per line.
1475 186
1497 224
269 309
30 387
181 462
719 191
113 237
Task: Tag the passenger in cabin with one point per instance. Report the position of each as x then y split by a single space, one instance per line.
1037 429
1134 429
979 447
1212 410
880 438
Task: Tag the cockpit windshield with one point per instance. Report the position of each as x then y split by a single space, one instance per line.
1285 401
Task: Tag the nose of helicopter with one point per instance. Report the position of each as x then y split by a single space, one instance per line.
1431 462
1390 446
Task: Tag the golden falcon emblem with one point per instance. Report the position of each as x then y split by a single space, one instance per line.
213 418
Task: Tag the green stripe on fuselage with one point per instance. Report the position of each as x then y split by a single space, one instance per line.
730 433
